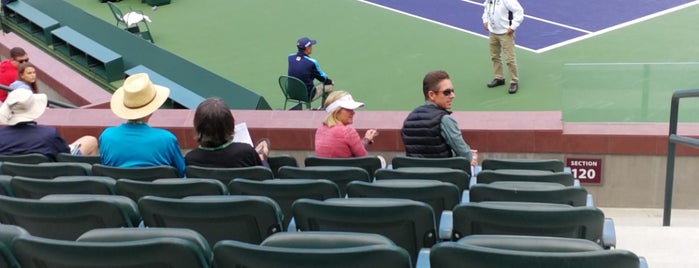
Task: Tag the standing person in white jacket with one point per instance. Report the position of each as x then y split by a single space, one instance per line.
501 18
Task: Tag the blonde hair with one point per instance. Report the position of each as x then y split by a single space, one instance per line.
331 119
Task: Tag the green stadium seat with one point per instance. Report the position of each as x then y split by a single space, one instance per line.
226 175
24 187
48 170
173 188
337 174
135 173
553 165
368 163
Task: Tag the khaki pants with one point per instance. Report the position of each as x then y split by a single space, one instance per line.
320 88
504 43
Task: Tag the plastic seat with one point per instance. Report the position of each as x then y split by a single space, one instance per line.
455 176
131 21
489 176
226 175
37 188
249 219
174 188
135 234
525 252
277 161
8 233
339 175
135 173
48 170
441 196
543 192
457 162
368 163
68 216
285 192
36 252
313 249
89 159
409 224
5 188
33 158
553 165
294 91
526 218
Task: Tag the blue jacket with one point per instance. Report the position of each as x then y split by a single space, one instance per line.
306 69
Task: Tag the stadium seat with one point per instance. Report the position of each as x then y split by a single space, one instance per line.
48 170
68 216
89 159
8 233
135 173
36 252
526 218
131 21
174 188
368 163
226 175
5 188
525 252
441 196
457 162
337 174
409 224
34 158
249 219
488 176
134 234
553 165
454 176
544 192
285 192
37 188
277 161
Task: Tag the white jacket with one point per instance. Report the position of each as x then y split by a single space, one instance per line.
495 15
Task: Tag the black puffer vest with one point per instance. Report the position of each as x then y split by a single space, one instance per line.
421 133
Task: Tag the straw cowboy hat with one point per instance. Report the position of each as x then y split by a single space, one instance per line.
22 105
138 97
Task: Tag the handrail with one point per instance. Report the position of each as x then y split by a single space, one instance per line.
52 103
673 140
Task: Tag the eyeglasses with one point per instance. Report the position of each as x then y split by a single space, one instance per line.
447 92
23 60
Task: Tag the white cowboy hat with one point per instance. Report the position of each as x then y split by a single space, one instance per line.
138 97
22 105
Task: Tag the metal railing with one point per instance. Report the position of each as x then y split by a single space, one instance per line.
52 103
673 140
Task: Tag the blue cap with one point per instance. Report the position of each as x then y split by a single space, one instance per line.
305 42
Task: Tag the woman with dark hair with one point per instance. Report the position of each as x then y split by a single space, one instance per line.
26 78
214 126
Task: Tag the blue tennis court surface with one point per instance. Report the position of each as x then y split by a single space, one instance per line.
547 24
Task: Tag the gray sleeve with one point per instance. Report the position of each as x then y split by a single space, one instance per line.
452 134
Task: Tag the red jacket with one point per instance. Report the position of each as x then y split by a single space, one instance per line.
8 74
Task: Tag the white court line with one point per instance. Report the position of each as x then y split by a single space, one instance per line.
588 34
629 63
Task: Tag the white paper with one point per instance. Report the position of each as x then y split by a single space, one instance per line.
241 134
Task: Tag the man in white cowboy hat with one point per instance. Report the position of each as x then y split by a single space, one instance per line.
135 143
22 135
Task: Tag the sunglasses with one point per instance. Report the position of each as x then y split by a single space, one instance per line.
447 92
23 60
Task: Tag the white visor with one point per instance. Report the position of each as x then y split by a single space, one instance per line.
345 102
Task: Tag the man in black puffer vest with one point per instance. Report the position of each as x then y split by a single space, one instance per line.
429 131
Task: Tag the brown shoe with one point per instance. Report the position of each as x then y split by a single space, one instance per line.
513 88
496 82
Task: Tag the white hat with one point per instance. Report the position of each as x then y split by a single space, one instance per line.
138 97
22 105
346 102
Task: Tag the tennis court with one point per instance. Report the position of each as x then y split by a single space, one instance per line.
597 61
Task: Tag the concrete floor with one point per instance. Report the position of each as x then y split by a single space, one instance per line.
641 231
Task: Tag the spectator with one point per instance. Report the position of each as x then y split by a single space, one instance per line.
22 135
135 143
335 137
214 126
429 131
8 68
26 78
305 68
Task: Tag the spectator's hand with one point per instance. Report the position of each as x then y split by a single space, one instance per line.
474 160
510 31
371 134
